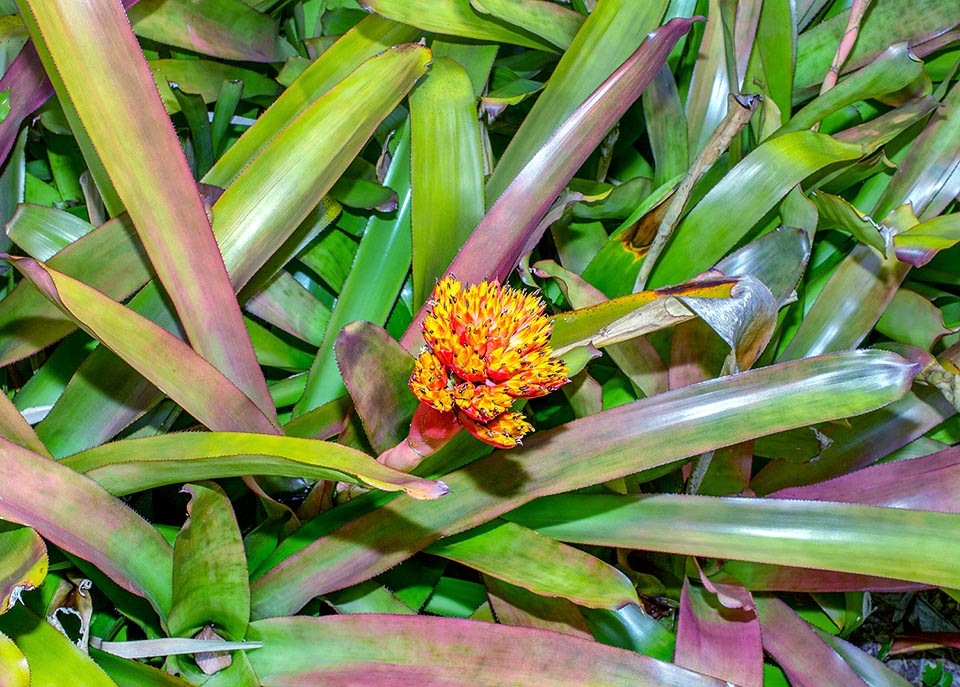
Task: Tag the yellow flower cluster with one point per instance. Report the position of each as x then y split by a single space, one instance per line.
486 347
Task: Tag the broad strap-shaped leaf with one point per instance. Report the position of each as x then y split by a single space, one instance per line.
802 655
375 650
456 18
210 581
376 370
889 542
158 355
555 23
601 447
511 228
374 282
719 641
125 467
926 483
369 38
526 559
105 76
57 503
29 322
230 30
445 144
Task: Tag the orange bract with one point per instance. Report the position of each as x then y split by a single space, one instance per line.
486 347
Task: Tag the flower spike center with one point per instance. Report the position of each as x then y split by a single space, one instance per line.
486 345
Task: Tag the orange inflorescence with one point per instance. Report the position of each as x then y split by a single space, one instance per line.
486 347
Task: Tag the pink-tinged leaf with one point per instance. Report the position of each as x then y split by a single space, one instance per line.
377 650
57 502
158 355
29 322
719 641
15 428
375 369
23 564
230 30
29 88
927 483
286 304
595 449
106 79
918 244
803 656
874 672
927 176
924 641
764 577
510 228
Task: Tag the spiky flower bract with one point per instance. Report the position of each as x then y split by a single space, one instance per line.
486 346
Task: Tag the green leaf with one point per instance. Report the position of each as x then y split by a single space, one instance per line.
369 38
373 283
29 322
23 563
445 145
868 540
49 654
205 78
516 555
134 465
14 671
446 651
601 447
745 194
554 23
210 581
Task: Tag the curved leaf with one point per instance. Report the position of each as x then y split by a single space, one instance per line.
125 467
23 564
50 654
157 354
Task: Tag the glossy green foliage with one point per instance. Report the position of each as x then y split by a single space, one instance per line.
225 220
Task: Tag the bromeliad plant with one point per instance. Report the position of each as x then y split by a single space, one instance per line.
232 255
